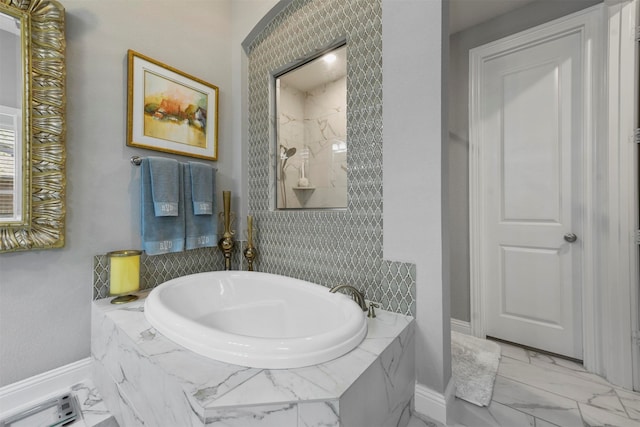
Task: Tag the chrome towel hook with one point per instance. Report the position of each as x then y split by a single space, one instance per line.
136 160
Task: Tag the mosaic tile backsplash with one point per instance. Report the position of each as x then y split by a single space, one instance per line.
157 269
328 247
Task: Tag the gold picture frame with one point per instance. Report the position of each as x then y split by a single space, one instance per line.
169 110
44 127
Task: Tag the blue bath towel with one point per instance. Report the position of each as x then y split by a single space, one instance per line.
202 230
165 186
160 234
202 188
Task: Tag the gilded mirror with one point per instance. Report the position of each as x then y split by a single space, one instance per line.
311 133
32 124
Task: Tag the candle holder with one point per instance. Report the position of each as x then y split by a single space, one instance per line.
250 251
226 243
124 275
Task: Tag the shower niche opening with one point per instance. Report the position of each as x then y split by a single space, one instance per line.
311 133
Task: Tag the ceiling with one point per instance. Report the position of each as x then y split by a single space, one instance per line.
317 72
464 14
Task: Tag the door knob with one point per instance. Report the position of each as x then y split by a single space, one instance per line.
570 237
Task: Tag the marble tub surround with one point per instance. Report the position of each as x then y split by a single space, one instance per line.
148 380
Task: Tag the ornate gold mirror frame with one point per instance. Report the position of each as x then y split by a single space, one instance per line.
44 127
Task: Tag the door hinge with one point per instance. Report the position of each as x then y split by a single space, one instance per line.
636 237
638 34
636 338
636 136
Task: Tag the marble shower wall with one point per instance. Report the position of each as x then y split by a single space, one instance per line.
329 246
314 122
290 135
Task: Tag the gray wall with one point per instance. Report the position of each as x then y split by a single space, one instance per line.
510 23
45 296
415 75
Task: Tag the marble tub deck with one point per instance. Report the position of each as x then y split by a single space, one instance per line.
146 379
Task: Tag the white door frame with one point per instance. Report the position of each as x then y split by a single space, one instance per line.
606 309
618 304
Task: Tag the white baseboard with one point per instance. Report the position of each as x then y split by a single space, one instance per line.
28 392
461 326
433 404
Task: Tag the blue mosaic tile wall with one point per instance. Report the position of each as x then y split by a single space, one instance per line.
328 247
157 269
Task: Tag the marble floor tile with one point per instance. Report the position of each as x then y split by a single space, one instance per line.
596 417
417 421
543 423
561 383
495 415
631 402
513 352
505 416
566 366
548 361
537 402
538 390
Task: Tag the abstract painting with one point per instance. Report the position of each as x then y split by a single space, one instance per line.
170 110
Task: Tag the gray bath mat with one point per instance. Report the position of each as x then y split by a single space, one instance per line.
474 365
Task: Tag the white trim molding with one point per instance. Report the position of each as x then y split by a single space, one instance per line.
617 301
461 326
24 394
434 405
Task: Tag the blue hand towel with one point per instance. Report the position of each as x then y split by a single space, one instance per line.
202 230
160 234
202 188
165 185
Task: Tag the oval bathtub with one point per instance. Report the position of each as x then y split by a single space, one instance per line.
255 319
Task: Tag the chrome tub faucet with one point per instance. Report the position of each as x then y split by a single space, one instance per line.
358 296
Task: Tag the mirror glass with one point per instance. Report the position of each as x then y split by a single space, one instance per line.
11 104
32 125
311 133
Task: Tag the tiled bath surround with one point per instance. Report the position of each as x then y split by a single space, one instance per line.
396 293
145 379
327 247
157 269
398 279
331 246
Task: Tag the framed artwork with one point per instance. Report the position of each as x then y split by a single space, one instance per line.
169 110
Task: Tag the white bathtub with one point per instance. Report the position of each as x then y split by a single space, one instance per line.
255 319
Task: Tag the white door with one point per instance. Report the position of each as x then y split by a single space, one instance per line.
529 121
